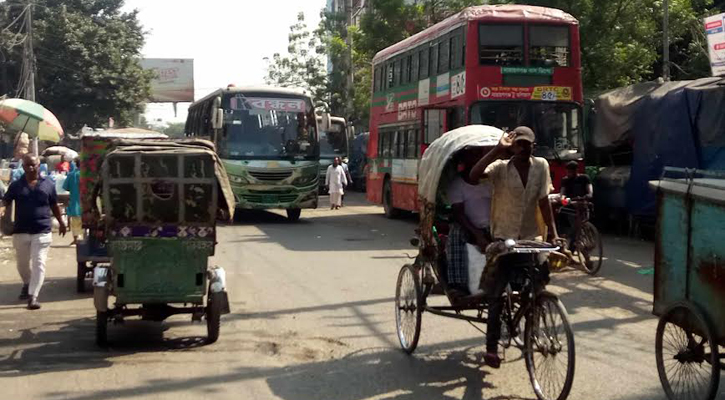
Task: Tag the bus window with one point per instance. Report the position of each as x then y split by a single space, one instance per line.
433 60
444 56
549 46
398 73
414 67
389 73
433 125
400 144
411 148
501 44
404 71
455 45
376 79
424 64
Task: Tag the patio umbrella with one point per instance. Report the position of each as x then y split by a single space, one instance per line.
32 118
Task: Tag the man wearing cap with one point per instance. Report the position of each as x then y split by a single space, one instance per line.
520 199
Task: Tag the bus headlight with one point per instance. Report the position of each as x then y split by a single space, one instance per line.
238 179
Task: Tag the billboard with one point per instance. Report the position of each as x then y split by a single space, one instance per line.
174 81
715 29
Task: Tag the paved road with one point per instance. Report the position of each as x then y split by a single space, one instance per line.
312 318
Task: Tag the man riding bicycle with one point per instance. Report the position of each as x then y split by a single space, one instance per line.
576 187
520 200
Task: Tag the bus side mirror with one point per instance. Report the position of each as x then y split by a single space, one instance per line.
325 122
218 119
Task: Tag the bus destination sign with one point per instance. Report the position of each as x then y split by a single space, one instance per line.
541 93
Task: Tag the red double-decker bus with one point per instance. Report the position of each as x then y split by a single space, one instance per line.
502 65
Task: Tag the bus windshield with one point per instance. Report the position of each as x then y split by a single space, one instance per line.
268 128
334 142
557 125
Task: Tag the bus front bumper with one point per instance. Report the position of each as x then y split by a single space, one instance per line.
278 198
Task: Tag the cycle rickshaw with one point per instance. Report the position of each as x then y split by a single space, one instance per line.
161 201
689 292
547 340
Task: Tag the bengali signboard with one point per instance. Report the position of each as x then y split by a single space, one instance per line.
543 93
174 81
715 29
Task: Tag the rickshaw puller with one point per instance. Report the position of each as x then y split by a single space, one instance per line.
520 192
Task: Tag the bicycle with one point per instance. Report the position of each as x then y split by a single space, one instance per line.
586 245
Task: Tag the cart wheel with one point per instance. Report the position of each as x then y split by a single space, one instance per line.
81 277
213 317
549 348
687 361
408 310
589 245
102 328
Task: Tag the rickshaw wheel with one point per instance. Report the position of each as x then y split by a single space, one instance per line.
81 277
101 328
408 311
549 344
589 243
213 317
684 347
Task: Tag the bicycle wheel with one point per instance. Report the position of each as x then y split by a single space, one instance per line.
507 323
687 360
589 245
549 348
408 311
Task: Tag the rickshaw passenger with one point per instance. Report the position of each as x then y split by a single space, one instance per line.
521 187
471 206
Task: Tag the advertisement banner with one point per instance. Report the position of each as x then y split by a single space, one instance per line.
541 93
174 81
715 30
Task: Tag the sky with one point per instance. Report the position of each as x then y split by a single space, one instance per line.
228 39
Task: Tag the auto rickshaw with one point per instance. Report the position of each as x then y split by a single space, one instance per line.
161 201
533 319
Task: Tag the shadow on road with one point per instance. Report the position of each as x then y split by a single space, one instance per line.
54 290
70 346
371 373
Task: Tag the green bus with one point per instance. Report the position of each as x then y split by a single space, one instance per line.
268 141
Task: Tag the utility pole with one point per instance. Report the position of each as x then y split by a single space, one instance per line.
666 41
29 62
348 56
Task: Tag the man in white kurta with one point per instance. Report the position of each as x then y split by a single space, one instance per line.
335 181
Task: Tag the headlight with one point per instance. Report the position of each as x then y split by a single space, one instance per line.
304 180
237 179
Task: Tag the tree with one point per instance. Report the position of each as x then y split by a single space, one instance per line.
175 129
302 66
87 59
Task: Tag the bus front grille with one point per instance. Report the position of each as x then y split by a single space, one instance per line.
271 176
269 198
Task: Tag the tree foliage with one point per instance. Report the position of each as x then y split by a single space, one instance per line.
302 66
87 60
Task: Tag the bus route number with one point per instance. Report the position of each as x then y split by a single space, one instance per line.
548 95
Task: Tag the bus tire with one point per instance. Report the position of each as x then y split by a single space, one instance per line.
293 214
390 211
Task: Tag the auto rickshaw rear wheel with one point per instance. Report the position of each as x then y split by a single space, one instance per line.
81 277
102 328
213 316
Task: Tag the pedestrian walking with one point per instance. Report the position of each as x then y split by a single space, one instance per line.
335 181
347 176
35 199
72 184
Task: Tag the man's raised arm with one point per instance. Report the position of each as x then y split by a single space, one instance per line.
479 170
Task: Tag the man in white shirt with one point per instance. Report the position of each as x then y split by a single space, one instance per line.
471 206
335 181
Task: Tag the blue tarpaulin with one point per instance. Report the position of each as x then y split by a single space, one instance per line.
677 124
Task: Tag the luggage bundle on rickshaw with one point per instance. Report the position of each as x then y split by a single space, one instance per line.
533 319
160 204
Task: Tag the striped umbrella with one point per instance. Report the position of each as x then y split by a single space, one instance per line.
32 118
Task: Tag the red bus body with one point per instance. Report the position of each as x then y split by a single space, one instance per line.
471 79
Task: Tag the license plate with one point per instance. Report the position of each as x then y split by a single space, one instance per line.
269 198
